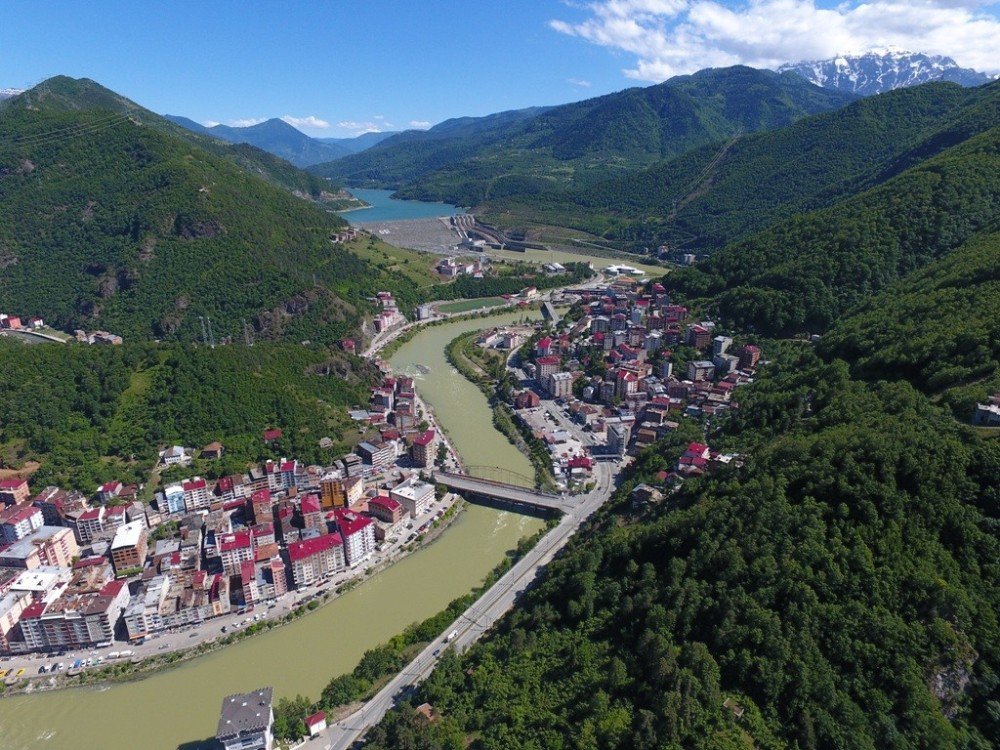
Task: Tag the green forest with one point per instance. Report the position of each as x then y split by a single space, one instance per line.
840 590
471 160
149 231
90 414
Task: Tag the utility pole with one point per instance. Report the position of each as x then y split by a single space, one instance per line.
211 336
247 337
204 331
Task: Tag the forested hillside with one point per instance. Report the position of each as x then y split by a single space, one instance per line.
65 94
467 162
938 328
841 590
92 414
112 223
804 273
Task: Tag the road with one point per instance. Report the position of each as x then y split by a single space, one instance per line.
475 621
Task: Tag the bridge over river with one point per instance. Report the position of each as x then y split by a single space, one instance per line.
505 492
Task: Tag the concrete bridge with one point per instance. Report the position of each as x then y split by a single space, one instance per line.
506 493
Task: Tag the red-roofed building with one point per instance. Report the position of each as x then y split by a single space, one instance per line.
358 533
109 490
19 521
546 366
423 449
14 491
235 549
315 559
544 347
196 494
90 524
260 502
386 509
312 512
272 434
316 723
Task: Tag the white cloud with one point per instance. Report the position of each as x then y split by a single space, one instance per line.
245 122
306 122
579 82
360 127
670 37
420 124
211 123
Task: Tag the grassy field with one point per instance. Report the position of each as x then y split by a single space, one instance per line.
416 266
465 305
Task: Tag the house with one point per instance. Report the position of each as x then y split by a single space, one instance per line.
246 721
988 414
272 434
212 450
109 491
316 723
173 499
698 336
174 456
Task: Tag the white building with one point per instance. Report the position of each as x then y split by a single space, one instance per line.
414 495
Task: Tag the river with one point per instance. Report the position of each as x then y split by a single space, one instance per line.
386 208
181 705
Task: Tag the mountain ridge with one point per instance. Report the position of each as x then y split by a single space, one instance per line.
877 72
466 160
274 136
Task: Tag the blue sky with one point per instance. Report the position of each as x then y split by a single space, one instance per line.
337 68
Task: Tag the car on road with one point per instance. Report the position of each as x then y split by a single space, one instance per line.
437 651
3 673
20 672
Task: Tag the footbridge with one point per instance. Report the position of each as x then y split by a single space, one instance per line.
504 492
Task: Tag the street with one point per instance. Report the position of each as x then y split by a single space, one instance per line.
476 620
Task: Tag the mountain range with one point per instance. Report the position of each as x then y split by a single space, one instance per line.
469 160
281 139
878 72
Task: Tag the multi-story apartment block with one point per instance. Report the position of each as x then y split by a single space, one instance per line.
314 559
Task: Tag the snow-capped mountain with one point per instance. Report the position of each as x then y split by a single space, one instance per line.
875 72
8 93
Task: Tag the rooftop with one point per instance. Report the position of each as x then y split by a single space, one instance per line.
128 535
244 712
310 547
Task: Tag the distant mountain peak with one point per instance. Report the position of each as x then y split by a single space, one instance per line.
8 93
880 70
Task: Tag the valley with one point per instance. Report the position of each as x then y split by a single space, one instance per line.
712 463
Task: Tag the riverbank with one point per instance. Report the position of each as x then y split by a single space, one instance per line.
131 669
